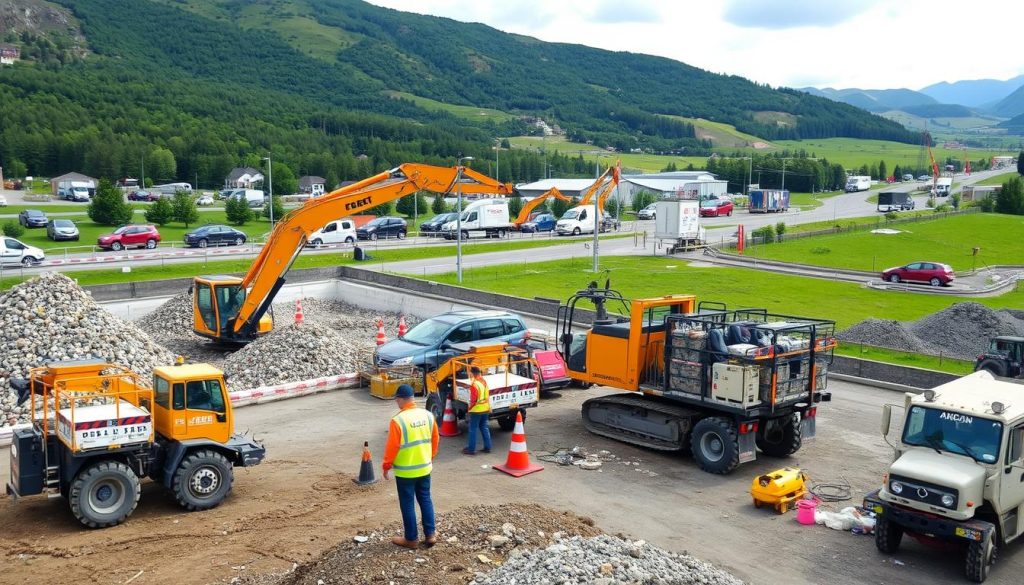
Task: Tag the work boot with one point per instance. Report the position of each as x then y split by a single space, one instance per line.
430 541
468 452
401 541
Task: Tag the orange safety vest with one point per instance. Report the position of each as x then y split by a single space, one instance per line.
483 397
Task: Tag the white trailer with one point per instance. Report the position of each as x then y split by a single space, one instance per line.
857 183
678 223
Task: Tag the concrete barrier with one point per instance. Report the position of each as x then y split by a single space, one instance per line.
890 373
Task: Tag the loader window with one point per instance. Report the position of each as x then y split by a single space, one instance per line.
204 300
204 395
178 396
162 391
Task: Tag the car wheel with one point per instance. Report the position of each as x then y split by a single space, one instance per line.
239 241
465 235
576 231
349 240
203 243
935 282
894 278
28 261
729 214
401 235
316 243
150 244
117 246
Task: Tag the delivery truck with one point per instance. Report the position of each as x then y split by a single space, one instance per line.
484 217
768 201
943 186
894 201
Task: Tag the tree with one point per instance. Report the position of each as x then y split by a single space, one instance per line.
13 229
278 208
1020 163
1011 198
780 230
161 213
559 207
883 172
238 211
515 205
410 205
642 199
438 206
285 182
160 163
671 167
16 168
185 210
108 207
505 144
897 172
613 206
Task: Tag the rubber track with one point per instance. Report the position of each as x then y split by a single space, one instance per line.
648 403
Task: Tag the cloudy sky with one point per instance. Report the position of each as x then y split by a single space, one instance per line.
871 44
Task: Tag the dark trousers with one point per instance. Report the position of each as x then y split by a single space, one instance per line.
410 491
479 420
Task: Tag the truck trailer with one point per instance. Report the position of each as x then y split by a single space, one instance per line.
857 183
485 217
768 201
894 201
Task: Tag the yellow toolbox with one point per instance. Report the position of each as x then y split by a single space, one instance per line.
779 488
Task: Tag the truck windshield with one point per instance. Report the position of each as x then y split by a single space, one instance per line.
571 214
954 432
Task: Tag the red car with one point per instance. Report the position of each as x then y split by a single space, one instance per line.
127 236
715 208
933 273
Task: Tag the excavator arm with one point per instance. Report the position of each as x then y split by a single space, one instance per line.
231 309
587 195
524 214
608 187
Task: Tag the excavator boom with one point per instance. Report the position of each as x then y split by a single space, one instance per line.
524 214
231 309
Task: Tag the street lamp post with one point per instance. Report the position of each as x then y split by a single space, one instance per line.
458 219
270 182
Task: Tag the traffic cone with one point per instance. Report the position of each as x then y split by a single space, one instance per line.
298 312
449 426
366 474
401 326
381 337
518 462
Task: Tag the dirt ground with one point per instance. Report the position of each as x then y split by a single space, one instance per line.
301 502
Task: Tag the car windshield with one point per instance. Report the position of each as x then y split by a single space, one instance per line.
34 213
63 223
709 203
376 222
954 432
120 230
651 207
571 214
428 332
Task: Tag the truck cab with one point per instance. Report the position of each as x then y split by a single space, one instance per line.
958 470
1004 357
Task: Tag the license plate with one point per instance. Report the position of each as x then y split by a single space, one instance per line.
968 533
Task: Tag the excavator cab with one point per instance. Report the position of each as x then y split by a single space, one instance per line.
216 302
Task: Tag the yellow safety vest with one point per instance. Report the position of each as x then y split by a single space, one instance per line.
483 397
416 449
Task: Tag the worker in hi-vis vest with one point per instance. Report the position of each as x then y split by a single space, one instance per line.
479 411
410 452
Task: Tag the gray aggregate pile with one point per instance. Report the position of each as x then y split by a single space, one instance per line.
963 330
51 318
885 333
604 560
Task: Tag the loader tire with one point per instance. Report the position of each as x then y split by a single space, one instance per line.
202 480
104 494
715 445
887 535
780 440
994 367
435 405
980 558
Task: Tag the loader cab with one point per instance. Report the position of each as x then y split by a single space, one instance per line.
191 402
216 302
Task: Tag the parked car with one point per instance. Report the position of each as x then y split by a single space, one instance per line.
925 178
205 200
933 273
214 235
16 252
61 229
432 227
429 344
340 231
138 196
544 222
647 212
130 236
908 177
610 223
32 218
383 227
715 208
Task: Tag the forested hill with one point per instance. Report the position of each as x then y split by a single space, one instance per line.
216 81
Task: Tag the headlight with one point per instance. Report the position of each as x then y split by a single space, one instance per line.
896 487
948 501
402 361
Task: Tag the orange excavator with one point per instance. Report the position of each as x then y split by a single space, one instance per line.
524 214
603 185
234 310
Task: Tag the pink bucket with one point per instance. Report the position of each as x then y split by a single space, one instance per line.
805 511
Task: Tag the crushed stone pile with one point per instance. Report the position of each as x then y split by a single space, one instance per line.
963 330
292 353
604 560
885 333
355 321
51 318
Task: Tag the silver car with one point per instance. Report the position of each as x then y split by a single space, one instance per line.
647 212
61 229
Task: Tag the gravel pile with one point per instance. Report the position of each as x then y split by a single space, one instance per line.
885 333
963 330
604 560
51 318
292 353
173 318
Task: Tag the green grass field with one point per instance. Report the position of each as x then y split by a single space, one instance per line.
47 208
854 152
948 240
467 112
878 221
998 179
649 163
720 134
928 362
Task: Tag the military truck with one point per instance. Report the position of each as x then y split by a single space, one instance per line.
958 471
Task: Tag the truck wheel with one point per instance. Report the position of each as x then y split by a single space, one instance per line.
202 480
576 231
887 535
980 558
715 445
507 423
104 494
436 407
994 367
780 438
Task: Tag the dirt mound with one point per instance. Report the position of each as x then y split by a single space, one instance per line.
963 330
884 333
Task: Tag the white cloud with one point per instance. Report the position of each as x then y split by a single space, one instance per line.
785 14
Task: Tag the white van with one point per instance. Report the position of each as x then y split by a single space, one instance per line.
14 252
487 216
576 221
341 231
254 197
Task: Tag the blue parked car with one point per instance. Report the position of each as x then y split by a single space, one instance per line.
544 222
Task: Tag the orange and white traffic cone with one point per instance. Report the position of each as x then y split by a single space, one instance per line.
382 338
366 474
401 326
449 426
518 463
298 312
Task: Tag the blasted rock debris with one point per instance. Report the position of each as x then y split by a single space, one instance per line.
963 330
51 318
885 333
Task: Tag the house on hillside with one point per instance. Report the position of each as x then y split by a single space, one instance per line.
9 54
312 185
243 178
